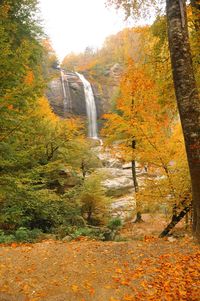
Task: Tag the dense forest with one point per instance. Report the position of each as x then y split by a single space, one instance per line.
52 176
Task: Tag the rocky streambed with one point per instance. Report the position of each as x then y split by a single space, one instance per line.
119 183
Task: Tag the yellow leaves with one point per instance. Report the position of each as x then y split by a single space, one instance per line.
45 111
75 288
65 129
108 286
118 270
113 299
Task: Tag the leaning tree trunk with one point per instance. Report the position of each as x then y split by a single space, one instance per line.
187 96
175 220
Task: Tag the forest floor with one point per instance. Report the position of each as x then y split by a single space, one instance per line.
142 268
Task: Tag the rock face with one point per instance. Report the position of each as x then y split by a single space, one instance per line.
105 88
74 93
55 96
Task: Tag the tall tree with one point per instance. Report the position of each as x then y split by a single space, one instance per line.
186 95
185 86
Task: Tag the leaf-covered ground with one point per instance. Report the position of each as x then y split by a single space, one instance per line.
152 269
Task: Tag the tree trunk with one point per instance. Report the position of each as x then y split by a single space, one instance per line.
135 183
83 169
186 95
174 221
133 169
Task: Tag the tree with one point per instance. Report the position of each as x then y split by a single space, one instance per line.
145 132
185 87
187 96
33 141
93 200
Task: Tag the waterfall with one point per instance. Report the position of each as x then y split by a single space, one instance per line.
67 103
90 107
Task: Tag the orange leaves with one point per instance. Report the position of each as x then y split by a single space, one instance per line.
29 78
92 291
10 107
119 271
14 245
149 238
128 298
76 289
158 271
172 276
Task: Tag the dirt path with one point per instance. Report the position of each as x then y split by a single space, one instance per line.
101 271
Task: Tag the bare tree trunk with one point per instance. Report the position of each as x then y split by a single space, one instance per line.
186 95
135 183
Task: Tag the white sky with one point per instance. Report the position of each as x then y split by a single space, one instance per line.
72 25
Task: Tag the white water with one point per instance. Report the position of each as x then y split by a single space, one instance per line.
90 107
67 98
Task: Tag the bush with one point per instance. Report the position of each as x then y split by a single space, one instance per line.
40 209
21 235
26 235
115 223
82 232
95 233
6 238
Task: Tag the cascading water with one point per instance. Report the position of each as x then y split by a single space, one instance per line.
67 98
90 107
64 91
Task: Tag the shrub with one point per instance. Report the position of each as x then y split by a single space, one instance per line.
6 238
115 223
94 203
21 235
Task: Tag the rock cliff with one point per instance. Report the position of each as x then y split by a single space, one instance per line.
75 96
104 88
